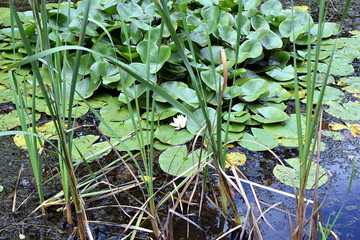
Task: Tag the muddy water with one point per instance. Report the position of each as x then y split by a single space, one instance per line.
20 190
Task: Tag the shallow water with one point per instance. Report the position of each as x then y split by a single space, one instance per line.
336 159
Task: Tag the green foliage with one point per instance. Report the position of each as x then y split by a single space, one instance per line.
176 161
290 175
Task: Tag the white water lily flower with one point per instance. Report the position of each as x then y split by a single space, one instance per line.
179 122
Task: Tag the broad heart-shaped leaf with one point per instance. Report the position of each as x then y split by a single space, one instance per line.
291 175
287 129
205 54
261 136
349 84
199 35
252 89
193 128
179 90
271 41
167 134
279 59
337 68
133 92
271 7
130 10
293 27
85 88
107 71
114 114
132 143
251 4
84 148
331 94
345 111
11 120
259 22
122 129
176 161
212 79
270 115
248 49
276 93
284 74
228 34
6 94
157 57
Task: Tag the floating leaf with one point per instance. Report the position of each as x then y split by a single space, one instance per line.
176 161
84 148
287 129
1 188
235 158
331 94
114 114
270 115
284 74
167 134
132 143
261 136
194 128
337 136
252 89
290 175
11 120
345 111
351 84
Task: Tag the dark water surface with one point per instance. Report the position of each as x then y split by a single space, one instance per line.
337 159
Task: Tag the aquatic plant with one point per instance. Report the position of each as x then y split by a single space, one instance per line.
225 65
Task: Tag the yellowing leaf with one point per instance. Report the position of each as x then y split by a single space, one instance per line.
235 158
354 129
22 236
355 33
302 8
337 126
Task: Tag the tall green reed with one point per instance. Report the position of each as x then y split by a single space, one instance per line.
57 102
308 143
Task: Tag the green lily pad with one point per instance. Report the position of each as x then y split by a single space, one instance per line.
337 68
84 148
345 111
270 115
284 74
287 129
157 56
331 94
290 175
351 84
121 129
194 128
132 143
176 161
252 89
233 127
114 114
167 134
1 188
261 136
11 120
6 95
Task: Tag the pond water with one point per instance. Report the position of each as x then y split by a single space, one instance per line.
18 185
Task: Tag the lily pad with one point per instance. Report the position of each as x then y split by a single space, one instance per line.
345 111
290 175
284 74
236 158
176 161
84 148
350 84
287 129
270 115
252 89
11 120
167 134
260 136
114 114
